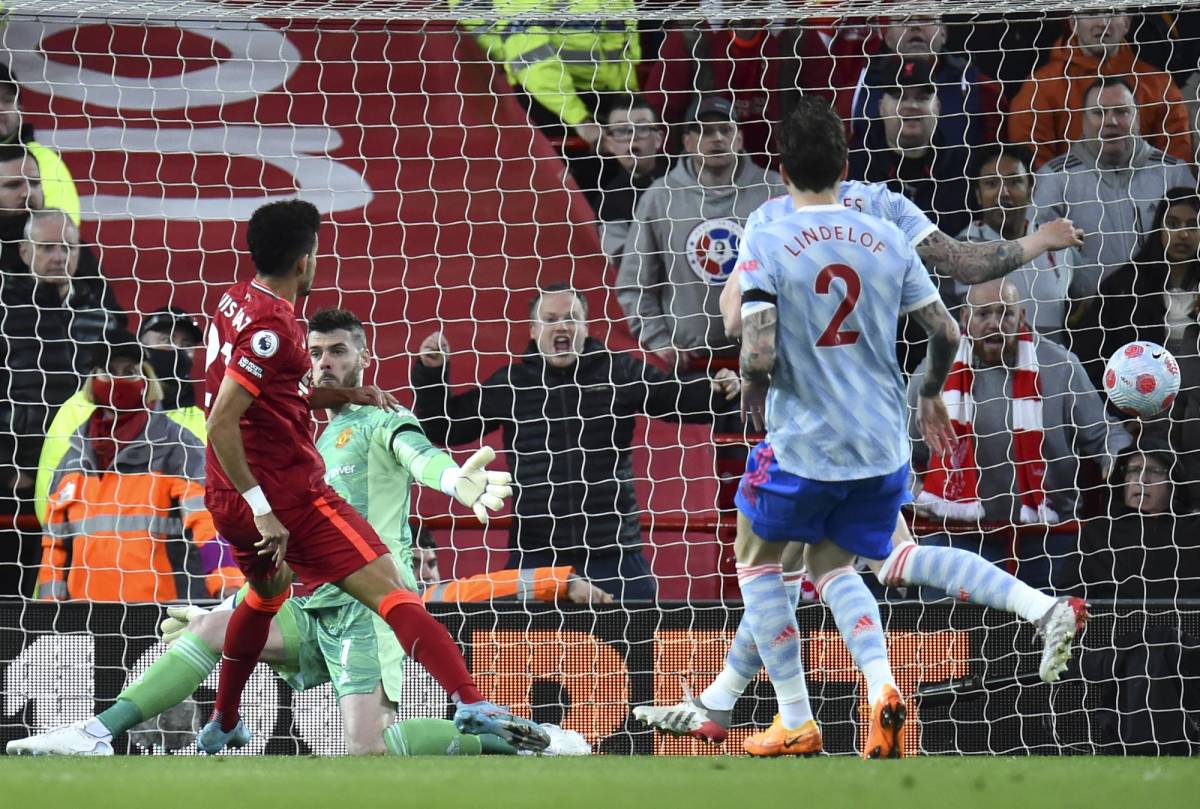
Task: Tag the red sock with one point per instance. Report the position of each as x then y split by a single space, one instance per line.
245 638
427 642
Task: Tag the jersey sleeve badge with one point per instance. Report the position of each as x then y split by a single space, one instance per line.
264 343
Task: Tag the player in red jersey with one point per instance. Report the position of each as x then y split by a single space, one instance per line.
267 494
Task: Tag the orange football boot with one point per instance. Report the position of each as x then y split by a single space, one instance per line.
885 739
780 741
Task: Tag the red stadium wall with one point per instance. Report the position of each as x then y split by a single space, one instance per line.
446 208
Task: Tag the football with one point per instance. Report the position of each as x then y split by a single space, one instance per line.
1141 379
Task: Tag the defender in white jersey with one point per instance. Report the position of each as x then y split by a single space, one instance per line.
966 262
707 717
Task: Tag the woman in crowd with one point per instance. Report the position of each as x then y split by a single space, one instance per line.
1148 545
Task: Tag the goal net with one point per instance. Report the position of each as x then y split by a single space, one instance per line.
465 156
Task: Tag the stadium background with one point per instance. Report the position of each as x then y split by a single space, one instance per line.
406 122
445 208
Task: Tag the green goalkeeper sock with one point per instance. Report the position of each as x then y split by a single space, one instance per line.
439 737
169 681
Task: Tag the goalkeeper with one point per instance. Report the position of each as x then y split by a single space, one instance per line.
371 458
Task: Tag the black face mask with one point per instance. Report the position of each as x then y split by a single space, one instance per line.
173 367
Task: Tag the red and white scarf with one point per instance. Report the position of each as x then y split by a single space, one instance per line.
951 487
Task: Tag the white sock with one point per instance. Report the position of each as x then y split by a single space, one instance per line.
722 694
878 674
795 714
1029 603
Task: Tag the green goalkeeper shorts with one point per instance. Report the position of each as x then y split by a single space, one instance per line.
340 644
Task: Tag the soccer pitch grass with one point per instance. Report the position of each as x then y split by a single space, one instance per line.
609 782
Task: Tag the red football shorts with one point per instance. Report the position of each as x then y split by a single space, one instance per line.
327 539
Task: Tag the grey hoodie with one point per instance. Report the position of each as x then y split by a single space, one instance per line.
1114 207
682 245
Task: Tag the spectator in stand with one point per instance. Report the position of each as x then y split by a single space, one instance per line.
1051 110
57 184
129 475
50 322
740 63
1155 297
567 410
537 584
632 148
1026 415
1148 543
1001 189
20 193
906 149
565 68
170 336
1191 95
1109 184
826 56
969 101
683 242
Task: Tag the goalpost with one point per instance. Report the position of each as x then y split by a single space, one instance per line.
446 206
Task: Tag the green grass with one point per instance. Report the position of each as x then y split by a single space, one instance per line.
609 782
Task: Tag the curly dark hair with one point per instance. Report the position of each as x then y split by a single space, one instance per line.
280 233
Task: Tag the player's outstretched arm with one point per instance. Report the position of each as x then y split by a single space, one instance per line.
976 262
757 362
225 438
932 417
369 395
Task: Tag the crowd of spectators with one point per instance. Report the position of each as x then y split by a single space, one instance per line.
676 126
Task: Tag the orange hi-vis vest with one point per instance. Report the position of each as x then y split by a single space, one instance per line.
117 534
532 584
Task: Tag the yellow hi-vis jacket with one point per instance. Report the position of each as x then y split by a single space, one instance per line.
557 49
58 187
67 421
489 33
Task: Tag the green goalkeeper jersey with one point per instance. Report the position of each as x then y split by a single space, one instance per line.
372 457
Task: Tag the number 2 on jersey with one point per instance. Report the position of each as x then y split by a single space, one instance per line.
832 336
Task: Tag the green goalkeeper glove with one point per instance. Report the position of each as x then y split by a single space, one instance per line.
475 487
177 621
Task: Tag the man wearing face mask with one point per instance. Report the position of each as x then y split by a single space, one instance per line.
129 476
567 411
171 336
1025 414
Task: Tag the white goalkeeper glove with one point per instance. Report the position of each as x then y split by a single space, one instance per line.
475 487
177 621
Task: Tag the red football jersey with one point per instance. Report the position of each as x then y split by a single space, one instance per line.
255 339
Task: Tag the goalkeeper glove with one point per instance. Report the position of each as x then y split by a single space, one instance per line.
475 487
177 621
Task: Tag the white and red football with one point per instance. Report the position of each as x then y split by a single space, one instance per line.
1142 379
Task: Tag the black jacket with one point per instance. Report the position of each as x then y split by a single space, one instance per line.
620 190
937 183
1130 307
568 433
46 343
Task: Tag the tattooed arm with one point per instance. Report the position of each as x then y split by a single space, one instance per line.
757 362
932 416
976 262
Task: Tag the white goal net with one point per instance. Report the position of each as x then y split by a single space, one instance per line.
465 156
